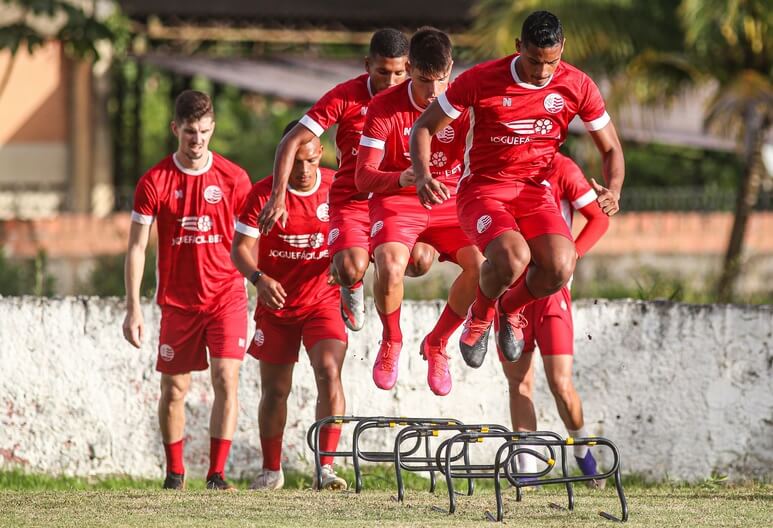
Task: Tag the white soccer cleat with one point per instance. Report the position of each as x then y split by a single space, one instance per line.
353 306
329 480
269 480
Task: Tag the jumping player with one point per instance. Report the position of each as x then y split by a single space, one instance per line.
397 217
296 304
520 108
194 196
346 105
550 325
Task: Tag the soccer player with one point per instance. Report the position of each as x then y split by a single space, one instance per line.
194 195
520 108
295 304
551 328
346 105
397 217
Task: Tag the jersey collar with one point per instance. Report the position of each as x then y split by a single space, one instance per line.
310 191
370 88
410 96
194 172
518 80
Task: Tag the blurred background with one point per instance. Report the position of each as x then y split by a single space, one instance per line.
87 91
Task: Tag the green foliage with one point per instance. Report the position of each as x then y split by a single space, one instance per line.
26 277
107 277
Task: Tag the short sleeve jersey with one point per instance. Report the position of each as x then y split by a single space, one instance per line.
569 187
345 105
391 116
194 213
517 127
295 255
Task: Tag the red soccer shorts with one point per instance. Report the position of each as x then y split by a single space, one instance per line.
400 218
186 335
278 340
486 210
349 226
550 325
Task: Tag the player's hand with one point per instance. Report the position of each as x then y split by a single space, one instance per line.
608 200
274 211
271 292
332 276
133 327
431 191
407 177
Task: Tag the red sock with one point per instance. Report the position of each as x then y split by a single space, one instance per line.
391 324
328 441
356 286
445 326
483 307
174 457
516 297
218 454
272 452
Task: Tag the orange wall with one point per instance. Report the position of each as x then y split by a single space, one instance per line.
33 107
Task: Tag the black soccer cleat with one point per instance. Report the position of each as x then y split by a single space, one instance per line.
174 481
217 482
509 333
473 342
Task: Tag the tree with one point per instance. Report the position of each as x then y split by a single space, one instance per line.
654 51
36 22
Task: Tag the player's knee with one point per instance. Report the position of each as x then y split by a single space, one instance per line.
351 270
562 387
420 263
560 268
172 392
274 394
225 383
510 265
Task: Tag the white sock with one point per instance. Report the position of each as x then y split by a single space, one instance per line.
579 450
527 463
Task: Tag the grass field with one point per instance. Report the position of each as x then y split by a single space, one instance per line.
27 500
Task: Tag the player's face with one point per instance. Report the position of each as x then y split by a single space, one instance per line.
427 86
536 64
193 137
303 175
385 72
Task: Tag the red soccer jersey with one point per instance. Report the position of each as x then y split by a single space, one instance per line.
295 255
569 187
517 127
391 116
195 213
346 105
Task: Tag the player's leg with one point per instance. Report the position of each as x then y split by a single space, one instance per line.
422 257
520 381
222 424
391 258
349 243
171 420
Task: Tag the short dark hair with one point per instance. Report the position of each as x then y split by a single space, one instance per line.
430 51
388 43
542 29
192 105
290 126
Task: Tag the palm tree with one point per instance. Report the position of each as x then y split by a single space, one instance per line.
654 51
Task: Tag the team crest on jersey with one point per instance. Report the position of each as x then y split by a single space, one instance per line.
446 135
333 235
524 127
323 212
438 159
213 194
378 226
201 224
313 240
259 337
166 352
554 103
484 222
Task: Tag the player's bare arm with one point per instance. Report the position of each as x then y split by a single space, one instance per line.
430 190
243 252
608 144
133 324
274 211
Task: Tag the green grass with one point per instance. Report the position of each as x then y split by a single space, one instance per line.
34 500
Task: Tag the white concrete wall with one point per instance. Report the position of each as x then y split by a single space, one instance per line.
685 391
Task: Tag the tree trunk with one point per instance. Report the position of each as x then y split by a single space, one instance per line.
748 193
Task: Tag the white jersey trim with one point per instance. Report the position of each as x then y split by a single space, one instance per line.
598 123
521 83
366 141
370 89
138 218
413 101
312 125
244 229
585 199
193 172
467 148
447 107
310 191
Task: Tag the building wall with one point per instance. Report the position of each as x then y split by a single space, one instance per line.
684 391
